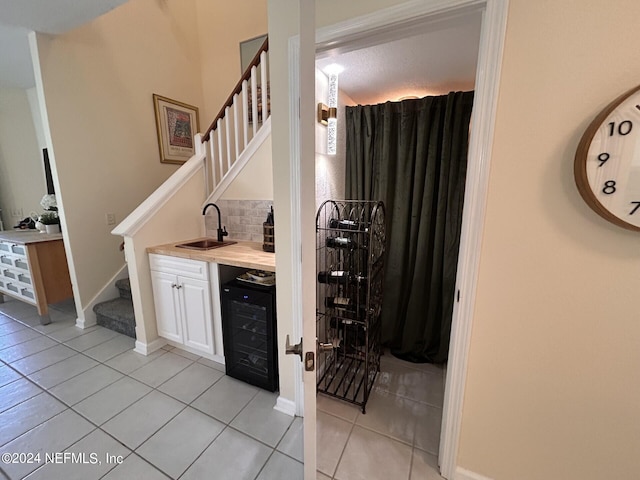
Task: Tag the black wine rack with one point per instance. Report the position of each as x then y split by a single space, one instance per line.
350 251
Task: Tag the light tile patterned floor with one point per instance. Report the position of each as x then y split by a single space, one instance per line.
399 435
176 415
168 415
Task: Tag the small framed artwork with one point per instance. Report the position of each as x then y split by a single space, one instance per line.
176 123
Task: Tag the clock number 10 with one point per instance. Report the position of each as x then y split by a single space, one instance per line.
623 128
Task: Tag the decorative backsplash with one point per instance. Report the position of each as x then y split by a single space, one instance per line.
243 219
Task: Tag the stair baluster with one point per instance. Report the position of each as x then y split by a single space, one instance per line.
243 115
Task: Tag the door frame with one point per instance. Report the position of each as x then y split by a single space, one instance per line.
354 33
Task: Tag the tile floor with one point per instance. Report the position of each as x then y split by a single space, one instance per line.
167 415
176 415
398 438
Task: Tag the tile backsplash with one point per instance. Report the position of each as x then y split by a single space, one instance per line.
243 219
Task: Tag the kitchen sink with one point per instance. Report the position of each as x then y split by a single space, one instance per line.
205 244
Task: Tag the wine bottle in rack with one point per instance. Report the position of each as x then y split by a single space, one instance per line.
340 277
339 302
341 242
335 322
345 308
347 225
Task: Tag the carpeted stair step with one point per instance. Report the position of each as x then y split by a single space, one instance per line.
124 285
117 315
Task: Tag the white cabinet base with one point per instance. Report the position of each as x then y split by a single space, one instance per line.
183 303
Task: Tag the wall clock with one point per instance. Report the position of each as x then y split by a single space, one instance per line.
607 163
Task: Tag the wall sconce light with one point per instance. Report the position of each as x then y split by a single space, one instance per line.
328 114
325 113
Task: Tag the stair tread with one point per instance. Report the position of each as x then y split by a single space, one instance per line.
123 284
118 307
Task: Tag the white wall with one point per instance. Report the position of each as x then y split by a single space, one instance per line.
22 178
97 83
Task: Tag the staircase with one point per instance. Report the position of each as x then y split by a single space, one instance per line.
236 133
117 314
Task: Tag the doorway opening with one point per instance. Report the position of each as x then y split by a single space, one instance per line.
405 409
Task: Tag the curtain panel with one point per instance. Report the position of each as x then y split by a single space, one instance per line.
412 155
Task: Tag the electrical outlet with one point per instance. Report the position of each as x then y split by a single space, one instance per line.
111 218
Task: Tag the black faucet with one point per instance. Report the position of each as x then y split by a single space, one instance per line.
222 232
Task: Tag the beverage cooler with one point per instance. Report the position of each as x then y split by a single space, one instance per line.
249 332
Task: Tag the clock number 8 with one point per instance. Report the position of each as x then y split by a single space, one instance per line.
602 158
609 187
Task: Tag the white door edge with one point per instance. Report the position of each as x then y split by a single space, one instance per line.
484 113
296 254
477 183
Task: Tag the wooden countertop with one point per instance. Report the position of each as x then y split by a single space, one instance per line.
240 254
25 237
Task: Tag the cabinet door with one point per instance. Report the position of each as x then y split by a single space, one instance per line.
197 316
165 298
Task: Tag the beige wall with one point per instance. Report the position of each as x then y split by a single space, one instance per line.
553 386
22 179
98 82
553 389
222 25
255 180
176 220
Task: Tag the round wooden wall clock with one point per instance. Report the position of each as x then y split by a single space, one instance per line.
607 163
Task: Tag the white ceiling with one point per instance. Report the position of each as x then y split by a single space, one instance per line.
441 59
438 61
19 17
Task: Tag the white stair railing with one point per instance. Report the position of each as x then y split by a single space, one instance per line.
240 119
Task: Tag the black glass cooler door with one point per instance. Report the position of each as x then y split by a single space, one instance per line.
249 335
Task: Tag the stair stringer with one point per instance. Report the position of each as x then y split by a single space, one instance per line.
107 292
245 157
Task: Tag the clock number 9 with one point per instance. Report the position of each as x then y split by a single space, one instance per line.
602 158
609 187
624 128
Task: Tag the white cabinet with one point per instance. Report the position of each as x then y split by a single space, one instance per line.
183 302
15 275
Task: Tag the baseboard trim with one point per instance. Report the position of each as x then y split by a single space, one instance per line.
147 348
85 323
463 474
285 405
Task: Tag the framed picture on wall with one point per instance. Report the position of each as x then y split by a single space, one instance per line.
176 123
248 50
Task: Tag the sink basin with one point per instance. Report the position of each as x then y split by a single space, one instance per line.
206 244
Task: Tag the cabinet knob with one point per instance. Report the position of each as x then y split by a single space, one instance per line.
178 287
173 285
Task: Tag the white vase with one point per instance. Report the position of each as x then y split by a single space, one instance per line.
41 227
55 228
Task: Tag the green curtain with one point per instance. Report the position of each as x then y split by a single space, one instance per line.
413 156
